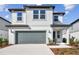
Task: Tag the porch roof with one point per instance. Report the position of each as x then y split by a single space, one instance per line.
60 25
17 25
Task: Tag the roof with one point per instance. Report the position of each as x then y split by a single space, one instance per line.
74 22
37 6
31 6
5 19
59 13
17 26
60 25
15 9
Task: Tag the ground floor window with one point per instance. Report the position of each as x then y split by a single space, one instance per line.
58 34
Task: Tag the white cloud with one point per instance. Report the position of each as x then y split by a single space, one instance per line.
3 8
7 16
68 7
66 12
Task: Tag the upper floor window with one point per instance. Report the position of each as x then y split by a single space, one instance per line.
38 14
35 14
55 18
19 16
42 14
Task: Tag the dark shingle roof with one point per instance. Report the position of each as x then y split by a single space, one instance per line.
17 25
37 6
74 22
62 13
5 19
60 25
16 9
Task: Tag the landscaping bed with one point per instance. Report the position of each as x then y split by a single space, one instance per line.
3 46
65 51
4 42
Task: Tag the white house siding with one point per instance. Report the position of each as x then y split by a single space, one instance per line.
3 28
33 28
75 34
72 31
66 34
28 18
14 18
46 21
3 34
60 19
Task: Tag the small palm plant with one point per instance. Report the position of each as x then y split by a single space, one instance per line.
72 41
76 42
50 41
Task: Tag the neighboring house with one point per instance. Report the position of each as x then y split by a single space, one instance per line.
36 25
72 30
3 28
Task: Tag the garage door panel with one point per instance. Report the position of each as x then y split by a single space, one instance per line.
31 37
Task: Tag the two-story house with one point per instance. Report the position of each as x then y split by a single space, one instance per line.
36 25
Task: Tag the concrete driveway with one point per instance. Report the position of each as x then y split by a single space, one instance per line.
26 49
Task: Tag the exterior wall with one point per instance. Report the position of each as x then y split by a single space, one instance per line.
72 31
74 27
28 18
47 21
60 19
3 28
66 35
2 24
75 34
33 28
3 33
14 18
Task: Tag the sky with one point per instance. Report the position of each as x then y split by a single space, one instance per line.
71 11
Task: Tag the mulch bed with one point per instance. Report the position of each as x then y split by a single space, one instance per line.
5 46
65 51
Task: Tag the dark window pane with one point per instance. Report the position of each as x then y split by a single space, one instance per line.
58 34
19 14
42 11
35 16
55 18
53 34
19 18
35 12
42 16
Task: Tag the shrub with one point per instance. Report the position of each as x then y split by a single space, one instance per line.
71 41
1 40
50 41
5 41
76 42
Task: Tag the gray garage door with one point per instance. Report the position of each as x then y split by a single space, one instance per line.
30 37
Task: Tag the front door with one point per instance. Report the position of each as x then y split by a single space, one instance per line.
56 37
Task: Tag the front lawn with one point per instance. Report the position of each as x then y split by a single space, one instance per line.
65 51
